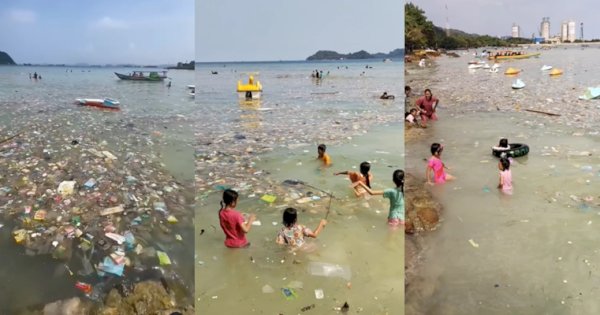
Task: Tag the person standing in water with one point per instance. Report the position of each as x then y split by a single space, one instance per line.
292 234
322 155
427 104
232 222
396 197
505 181
436 167
356 178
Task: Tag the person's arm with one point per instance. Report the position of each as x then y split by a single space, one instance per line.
246 226
318 230
371 192
341 173
428 174
280 240
500 181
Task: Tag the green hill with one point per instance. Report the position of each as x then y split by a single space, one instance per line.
332 55
5 59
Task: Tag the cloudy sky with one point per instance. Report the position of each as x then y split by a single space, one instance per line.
233 30
495 17
97 32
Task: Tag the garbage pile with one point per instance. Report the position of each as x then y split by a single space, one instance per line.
103 211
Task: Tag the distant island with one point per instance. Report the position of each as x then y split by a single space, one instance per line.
332 55
184 66
5 59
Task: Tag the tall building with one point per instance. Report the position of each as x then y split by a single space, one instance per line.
572 31
545 28
516 30
564 32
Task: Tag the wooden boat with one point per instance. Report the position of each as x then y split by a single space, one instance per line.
505 55
102 103
251 90
152 76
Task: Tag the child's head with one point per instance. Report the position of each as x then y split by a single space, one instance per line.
504 164
321 149
398 178
503 143
230 198
407 90
365 167
290 216
413 111
436 149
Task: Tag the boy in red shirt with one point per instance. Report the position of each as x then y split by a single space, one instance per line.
232 222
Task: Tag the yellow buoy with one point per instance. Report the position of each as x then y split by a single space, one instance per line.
556 72
512 71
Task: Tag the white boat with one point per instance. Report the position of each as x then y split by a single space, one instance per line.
191 86
493 70
518 84
486 66
546 68
496 66
475 66
102 103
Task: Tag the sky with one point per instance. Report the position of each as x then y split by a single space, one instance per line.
271 30
145 32
496 17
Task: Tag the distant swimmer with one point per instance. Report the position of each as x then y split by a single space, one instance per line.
386 96
35 75
169 84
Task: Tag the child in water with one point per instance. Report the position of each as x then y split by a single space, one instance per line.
322 155
292 233
505 182
436 166
396 197
232 222
356 178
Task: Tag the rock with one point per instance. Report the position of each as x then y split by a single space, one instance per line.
73 306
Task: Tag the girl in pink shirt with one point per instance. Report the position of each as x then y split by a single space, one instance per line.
436 166
232 222
505 183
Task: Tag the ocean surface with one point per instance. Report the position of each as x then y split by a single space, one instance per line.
533 252
154 125
254 146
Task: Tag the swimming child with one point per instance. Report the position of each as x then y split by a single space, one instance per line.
232 222
505 182
396 197
356 178
503 144
436 166
292 233
322 155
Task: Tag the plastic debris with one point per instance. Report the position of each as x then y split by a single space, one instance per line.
319 295
66 188
112 210
329 270
268 198
472 242
163 258
267 289
289 293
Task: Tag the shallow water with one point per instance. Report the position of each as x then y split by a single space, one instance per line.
356 237
152 124
536 249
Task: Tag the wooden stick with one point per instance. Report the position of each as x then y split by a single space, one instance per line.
10 138
541 112
328 206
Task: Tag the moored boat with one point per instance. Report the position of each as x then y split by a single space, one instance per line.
555 72
501 55
102 103
518 84
546 68
152 76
